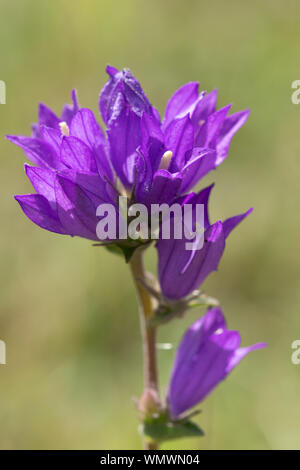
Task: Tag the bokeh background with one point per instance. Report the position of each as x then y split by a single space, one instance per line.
68 310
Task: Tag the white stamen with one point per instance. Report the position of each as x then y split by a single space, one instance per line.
219 331
166 160
64 128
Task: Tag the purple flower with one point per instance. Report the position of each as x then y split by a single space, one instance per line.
181 271
77 166
164 159
71 165
206 355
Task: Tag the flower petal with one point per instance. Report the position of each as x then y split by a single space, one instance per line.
165 188
205 107
179 138
124 138
75 210
182 271
52 137
181 102
201 162
209 132
230 126
38 210
47 117
240 353
232 222
69 110
152 140
38 151
43 181
76 154
85 127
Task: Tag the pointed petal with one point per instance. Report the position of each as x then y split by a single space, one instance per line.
52 137
205 107
85 127
196 334
152 140
124 138
231 125
165 188
42 180
182 271
199 164
111 101
75 210
93 186
134 93
202 198
179 138
209 131
240 353
69 110
38 210
232 222
103 164
38 151
76 154
181 102
47 117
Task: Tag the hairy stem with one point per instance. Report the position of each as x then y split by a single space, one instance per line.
148 331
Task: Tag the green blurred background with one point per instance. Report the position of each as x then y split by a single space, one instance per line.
68 310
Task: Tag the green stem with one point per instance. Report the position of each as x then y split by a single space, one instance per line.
148 330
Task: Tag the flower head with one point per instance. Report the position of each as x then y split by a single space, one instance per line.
77 166
206 355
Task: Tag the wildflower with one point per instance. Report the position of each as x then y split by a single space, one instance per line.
77 166
173 155
69 173
182 271
206 355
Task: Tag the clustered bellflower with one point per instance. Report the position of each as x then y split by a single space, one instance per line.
206 355
77 166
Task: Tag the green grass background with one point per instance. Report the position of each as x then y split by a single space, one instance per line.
68 310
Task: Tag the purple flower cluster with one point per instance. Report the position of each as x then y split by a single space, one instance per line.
77 166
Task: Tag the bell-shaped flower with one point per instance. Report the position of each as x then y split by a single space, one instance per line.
206 355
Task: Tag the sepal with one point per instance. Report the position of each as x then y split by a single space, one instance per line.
125 249
160 428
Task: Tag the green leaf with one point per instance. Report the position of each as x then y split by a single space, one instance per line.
122 249
159 430
112 248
